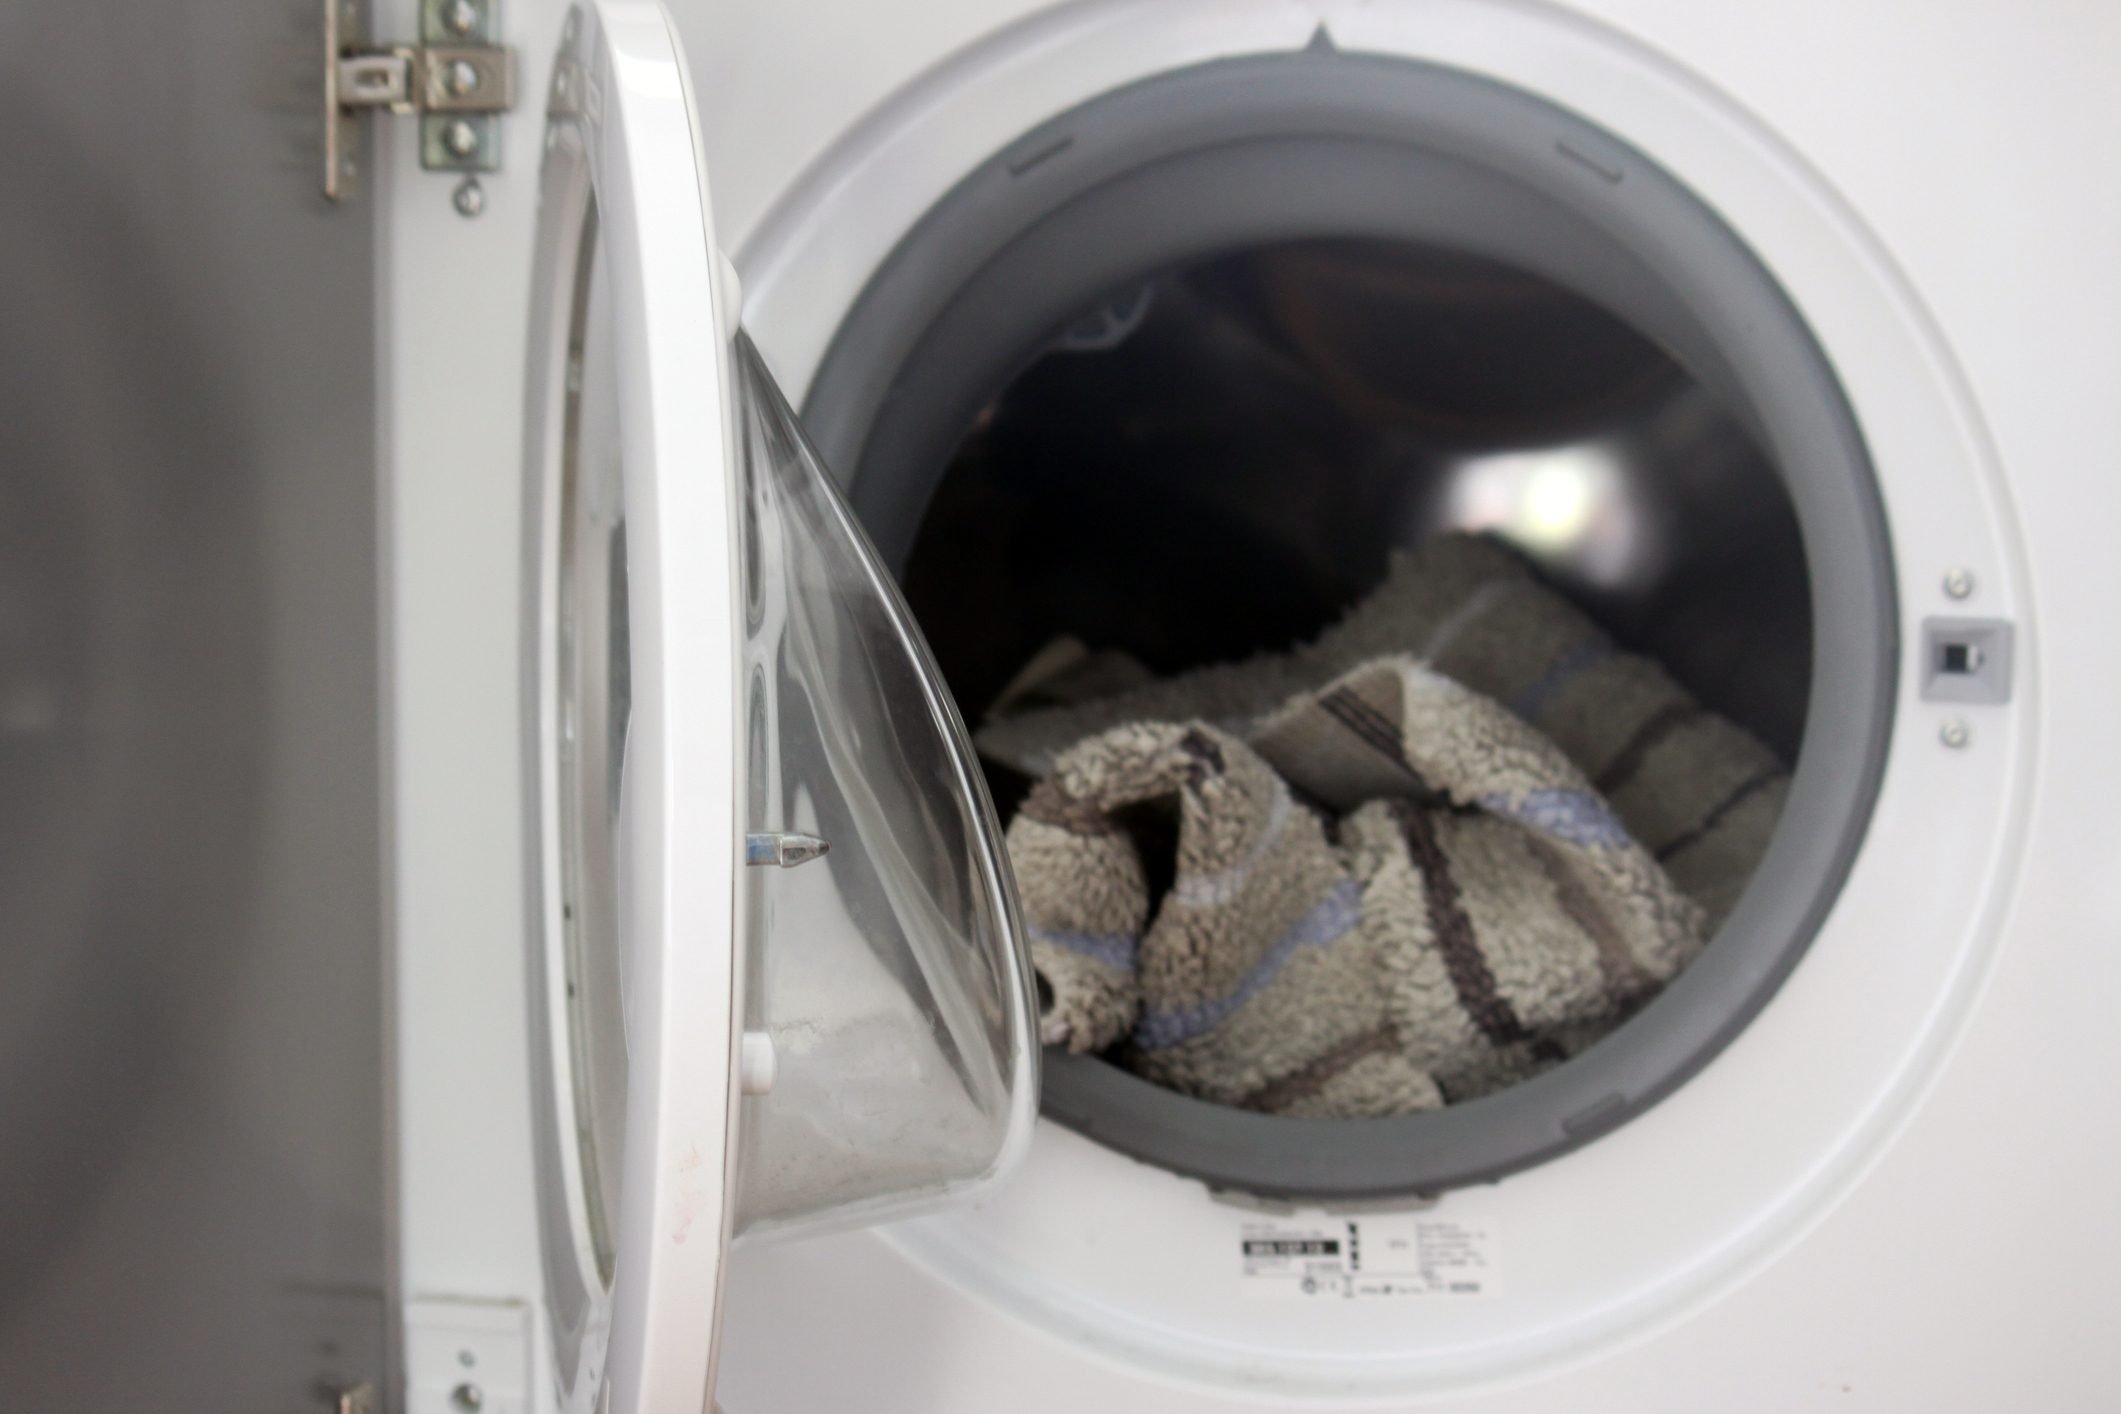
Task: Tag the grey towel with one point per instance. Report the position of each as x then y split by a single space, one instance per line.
1385 894
1698 791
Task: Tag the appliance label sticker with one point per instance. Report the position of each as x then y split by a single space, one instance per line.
1372 1256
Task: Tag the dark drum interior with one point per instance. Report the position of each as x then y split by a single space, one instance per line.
1218 461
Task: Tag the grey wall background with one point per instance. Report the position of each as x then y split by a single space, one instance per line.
192 1114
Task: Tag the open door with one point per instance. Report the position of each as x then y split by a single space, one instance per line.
777 976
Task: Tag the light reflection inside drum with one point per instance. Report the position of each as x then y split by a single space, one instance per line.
1570 507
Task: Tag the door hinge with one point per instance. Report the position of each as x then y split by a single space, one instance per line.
456 80
466 1353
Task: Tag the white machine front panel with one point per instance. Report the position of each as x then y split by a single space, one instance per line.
1885 1298
1140 1275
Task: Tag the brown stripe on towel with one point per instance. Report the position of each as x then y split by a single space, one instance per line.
1366 722
1644 740
1374 730
1203 756
1747 788
1340 747
1471 978
1315 1074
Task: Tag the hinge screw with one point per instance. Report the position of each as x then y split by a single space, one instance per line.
467 1396
469 198
463 77
462 16
1959 583
1955 733
461 138
782 849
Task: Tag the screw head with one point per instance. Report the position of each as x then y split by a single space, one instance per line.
1959 583
469 198
463 77
461 16
1955 733
467 1396
461 138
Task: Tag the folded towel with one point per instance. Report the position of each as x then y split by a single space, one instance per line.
1382 895
1700 792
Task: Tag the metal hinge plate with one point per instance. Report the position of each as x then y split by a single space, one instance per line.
457 80
465 1353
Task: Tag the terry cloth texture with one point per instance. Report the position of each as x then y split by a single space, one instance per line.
1391 895
1700 792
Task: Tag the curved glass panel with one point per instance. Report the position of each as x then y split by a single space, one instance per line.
594 697
886 973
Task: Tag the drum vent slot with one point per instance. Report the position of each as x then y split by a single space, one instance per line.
1607 165
1595 1115
1037 151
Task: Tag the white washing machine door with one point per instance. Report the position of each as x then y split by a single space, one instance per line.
778 976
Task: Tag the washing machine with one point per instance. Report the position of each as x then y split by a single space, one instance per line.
1780 338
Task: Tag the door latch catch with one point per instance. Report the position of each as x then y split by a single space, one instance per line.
456 80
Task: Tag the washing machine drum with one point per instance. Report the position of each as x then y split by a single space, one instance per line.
1178 373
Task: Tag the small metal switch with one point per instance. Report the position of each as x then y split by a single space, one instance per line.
1966 660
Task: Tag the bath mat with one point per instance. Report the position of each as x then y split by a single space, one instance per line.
1699 792
1381 894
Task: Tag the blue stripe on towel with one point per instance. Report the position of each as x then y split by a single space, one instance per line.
1529 703
1112 949
1476 604
1573 816
1331 918
1212 890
